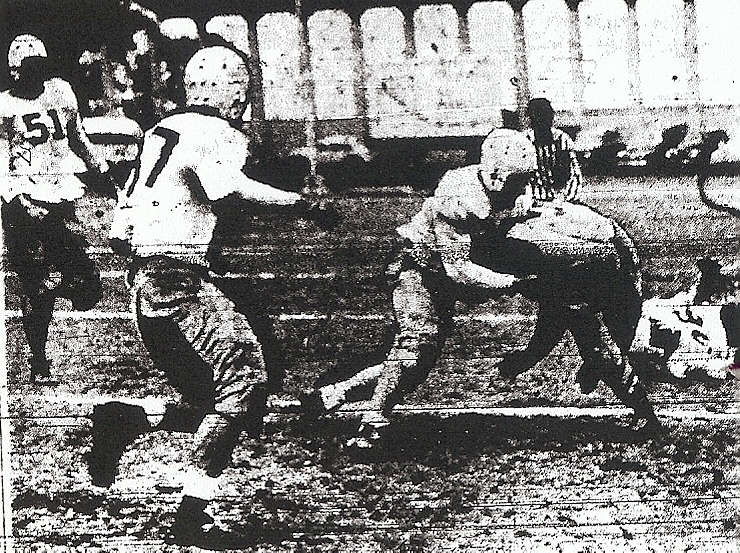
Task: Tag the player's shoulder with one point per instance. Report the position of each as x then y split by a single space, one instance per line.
460 181
202 139
12 105
460 194
60 91
201 127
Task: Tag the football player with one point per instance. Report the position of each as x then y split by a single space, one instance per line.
43 145
165 222
434 268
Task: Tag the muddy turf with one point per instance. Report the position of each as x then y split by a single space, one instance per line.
451 473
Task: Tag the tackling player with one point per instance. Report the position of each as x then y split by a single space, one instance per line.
194 334
435 267
432 269
43 146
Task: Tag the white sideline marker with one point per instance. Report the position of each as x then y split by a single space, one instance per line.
276 405
279 405
568 412
6 538
114 315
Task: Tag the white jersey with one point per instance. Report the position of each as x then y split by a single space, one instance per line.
35 154
451 214
188 160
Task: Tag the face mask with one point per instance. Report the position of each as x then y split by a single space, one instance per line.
514 186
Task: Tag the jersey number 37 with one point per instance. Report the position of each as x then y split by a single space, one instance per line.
154 159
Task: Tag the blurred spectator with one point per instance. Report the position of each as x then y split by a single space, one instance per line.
605 158
667 155
709 144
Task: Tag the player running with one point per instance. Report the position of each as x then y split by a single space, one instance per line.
194 334
435 266
43 146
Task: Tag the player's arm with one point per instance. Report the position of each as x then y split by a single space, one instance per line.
223 179
220 170
259 192
78 140
454 249
573 186
80 143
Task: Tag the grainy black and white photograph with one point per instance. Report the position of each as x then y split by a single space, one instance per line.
296 276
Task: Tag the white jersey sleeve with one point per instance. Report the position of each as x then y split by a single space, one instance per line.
218 162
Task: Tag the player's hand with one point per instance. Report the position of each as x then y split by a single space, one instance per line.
121 247
314 188
35 210
319 206
524 285
323 213
522 206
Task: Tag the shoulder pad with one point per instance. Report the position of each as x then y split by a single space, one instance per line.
460 195
62 91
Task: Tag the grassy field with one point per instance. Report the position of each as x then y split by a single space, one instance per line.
454 472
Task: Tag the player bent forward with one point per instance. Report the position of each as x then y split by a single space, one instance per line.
191 329
43 146
434 267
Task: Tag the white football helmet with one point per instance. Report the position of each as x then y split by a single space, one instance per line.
217 77
22 47
505 152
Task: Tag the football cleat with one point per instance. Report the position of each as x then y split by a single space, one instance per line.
187 530
40 368
115 426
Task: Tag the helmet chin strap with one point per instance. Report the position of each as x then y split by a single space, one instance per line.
236 110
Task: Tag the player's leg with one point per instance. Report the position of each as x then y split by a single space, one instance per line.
602 359
221 355
163 290
331 396
223 338
420 316
205 347
549 330
409 298
622 304
415 347
80 277
115 425
37 309
730 317
28 257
